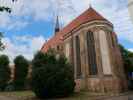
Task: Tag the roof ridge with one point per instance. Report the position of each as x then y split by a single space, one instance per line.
89 15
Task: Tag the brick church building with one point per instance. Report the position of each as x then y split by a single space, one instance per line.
90 44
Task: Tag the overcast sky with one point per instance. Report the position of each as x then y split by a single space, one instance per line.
32 22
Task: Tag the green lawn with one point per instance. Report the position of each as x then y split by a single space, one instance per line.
28 95
19 95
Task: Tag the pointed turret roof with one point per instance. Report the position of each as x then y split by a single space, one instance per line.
57 26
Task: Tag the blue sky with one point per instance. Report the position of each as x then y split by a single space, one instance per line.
32 22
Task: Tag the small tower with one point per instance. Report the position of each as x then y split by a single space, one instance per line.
57 26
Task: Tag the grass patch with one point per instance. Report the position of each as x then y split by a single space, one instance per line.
29 95
19 95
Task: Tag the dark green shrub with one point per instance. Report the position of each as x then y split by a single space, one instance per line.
4 72
10 87
127 59
21 72
54 78
128 65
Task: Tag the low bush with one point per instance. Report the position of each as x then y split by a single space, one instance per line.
10 87
54 78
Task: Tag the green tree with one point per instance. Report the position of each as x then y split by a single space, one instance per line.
1 44
4 71
7 9
21 72
2 9
52 77
127 58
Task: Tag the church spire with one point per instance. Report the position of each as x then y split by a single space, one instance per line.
57 26
90 4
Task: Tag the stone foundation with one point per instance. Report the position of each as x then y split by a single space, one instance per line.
80 85
105 85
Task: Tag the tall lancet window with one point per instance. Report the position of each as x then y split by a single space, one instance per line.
105 53
91 54
78 59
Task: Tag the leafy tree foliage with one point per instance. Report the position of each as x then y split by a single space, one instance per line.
52 77
4 71
7 9
21 72
128 59
128 65
3 8
1 44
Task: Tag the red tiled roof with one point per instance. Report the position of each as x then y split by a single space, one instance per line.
57 39
87 16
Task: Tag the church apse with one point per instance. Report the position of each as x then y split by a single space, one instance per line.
88 43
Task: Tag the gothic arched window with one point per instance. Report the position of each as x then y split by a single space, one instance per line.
78 59
91 53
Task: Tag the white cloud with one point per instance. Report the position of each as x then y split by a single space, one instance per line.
115 11
131 49
22 10
27 46
122 24
8 23
42 10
